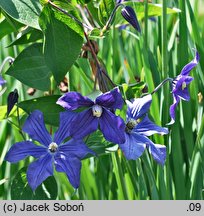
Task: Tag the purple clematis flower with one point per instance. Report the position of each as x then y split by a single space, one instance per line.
179 86
2 81
138 127
99 112
65 156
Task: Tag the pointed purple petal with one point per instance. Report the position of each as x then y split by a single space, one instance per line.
180 90
83 124
74 100
183 94
180 80
39 170
36 129
24 149
112 99
172 109
158 152
134 146
2 81
71 165
139 107
187 68
75 147
63 131
148 128
112 127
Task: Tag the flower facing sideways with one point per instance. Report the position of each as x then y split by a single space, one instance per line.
138 127
179 86
65 156
97 112
2 83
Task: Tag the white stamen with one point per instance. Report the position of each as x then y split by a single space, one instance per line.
97 110
53 147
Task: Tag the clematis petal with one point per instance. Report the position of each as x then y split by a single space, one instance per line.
74 100
172 109
183 94
134 146
158 152
112 127
24 149
83 124
148 128
187 68
2 81
138 107
180 80
75 147
63 131
36 129
71 165
39 170
111 100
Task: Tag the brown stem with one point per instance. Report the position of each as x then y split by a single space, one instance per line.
97 64
90 16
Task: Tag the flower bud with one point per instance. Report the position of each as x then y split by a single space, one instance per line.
129 14
12 100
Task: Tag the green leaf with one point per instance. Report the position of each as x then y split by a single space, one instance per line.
45 104
20 190
95 34
153 9
13 113
105 9
28 35
24 11
30 68
99 144
7 28
133 90
63 42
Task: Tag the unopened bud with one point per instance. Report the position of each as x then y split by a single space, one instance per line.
12 100
129 14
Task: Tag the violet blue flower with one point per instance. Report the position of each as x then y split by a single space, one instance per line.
98 112
2 81
179 86
65 156
138 127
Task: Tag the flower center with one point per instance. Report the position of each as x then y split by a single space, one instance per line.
97 110
130 125
53 147
183 85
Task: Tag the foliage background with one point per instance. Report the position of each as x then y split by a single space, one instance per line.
128 57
